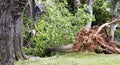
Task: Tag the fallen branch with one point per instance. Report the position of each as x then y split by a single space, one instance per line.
107 24
63 48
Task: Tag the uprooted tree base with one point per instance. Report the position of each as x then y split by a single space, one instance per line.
96 40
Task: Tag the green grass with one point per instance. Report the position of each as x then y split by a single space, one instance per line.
74 59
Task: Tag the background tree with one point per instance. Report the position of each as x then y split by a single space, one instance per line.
112 26
73 5
90 10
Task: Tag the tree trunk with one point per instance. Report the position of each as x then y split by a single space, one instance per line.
90 10
32 9
17 7
73 5
112 26
10 12
77 2
6 33
18 39
63 48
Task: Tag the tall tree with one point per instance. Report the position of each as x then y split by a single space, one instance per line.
17 14
18 39
10 11
112 26
6 33
90 10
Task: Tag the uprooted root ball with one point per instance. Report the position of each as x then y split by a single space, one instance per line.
95 42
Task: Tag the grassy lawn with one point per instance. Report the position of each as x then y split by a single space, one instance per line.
74 59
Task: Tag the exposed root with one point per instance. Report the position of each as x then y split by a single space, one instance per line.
96 40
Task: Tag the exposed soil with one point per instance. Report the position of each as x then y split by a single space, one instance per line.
97 39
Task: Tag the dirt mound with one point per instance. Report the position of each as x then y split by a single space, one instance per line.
96 40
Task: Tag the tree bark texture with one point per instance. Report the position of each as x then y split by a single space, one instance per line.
6 33
10 11
17 14
90 10
112 26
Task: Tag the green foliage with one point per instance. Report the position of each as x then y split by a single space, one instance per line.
117 31
117 34
102 11
57 26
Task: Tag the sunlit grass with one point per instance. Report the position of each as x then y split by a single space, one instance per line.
74 59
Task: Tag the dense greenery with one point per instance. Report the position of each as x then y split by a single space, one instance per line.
102 11
58 26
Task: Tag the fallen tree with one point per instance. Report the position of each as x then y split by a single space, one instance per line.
97 39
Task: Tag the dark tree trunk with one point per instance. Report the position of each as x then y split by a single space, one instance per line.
32 9
17 14
6 33
73 5
18 39
90 10
112 26
10 13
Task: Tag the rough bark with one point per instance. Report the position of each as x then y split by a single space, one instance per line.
17 7
6 33
90 10
10 11
112 26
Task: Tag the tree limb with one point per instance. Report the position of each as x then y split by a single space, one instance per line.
107 24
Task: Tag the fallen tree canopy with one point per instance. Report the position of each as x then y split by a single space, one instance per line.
96 40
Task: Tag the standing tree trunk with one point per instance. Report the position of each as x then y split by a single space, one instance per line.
112 26
10 13
17 14
6 33
32 9
18 39
90 10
